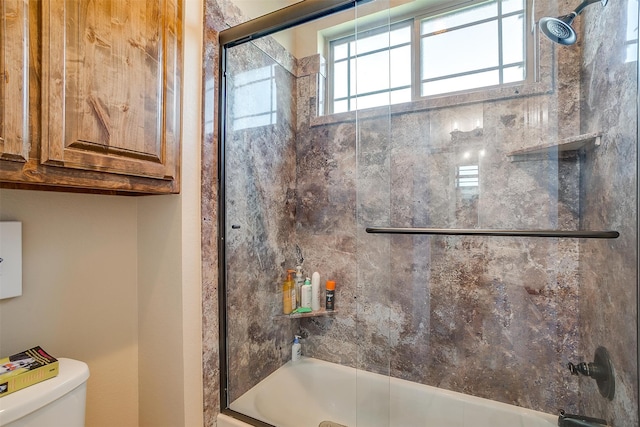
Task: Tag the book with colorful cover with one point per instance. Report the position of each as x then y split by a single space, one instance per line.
26 368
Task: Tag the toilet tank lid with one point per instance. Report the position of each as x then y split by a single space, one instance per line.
72 373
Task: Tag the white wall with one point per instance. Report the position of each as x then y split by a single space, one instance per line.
252 9
169 284
115 281
79 292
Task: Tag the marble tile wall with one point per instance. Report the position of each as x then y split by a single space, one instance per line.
608 270
214 23
260 209
466 314
494 317
261 194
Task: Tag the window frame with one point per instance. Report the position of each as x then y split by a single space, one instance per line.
347 39
415 19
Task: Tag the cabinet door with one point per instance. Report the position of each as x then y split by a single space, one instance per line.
14 80
110 86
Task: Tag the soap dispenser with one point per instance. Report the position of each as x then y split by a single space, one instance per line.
306 294
296 349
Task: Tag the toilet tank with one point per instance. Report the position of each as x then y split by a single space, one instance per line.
57 402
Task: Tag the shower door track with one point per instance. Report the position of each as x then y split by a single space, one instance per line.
580 234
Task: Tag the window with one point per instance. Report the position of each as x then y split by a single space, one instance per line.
468 48
471 42
373 70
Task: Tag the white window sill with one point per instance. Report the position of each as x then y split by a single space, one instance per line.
519 90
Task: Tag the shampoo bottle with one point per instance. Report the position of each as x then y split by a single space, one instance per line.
306 294
315 291
296 349
288 291
299 282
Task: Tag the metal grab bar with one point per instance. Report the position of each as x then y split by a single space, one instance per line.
580 234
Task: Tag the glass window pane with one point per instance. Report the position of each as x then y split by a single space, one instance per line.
370 101
400 96
513 39
340 106
482 53
364 44
353 87
400 35
372 72
400 66
340 81
509 6
461 17
513 74
454 84
340 51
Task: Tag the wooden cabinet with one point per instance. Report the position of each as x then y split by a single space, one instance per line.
107 114
14 81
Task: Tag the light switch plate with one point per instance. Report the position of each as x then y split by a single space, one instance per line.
10 259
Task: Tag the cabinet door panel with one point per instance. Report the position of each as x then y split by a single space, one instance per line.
14 87
106 82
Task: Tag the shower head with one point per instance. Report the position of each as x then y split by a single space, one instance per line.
559 30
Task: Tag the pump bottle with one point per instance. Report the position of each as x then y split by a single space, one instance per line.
296 349
306 294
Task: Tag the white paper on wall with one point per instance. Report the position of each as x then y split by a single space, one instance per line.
10 259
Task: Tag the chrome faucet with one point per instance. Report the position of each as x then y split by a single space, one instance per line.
571 420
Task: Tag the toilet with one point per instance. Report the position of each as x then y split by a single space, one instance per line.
57 402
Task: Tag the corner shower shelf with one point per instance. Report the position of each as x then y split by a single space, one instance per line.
555 150
320 313
581 234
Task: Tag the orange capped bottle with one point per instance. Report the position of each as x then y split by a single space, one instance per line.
331 291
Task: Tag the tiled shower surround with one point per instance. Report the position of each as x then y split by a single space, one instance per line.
496 317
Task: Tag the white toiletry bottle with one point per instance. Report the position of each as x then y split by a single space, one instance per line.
306 293
315 291
299 282
296 349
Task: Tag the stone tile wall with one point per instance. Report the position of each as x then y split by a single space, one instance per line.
493 317
609 270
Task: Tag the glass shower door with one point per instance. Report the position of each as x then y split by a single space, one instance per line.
481 241
546 174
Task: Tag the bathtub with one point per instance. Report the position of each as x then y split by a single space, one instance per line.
312 393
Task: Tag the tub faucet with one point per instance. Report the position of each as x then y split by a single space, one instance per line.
571 420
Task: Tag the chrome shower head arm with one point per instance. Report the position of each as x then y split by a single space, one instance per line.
559 30
578 10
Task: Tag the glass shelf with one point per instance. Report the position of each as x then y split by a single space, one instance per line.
555 150
319 313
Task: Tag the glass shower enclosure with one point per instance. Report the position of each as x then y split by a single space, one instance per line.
483 240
